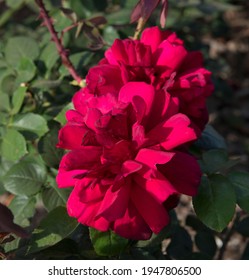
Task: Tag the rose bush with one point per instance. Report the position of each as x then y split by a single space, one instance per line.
129 134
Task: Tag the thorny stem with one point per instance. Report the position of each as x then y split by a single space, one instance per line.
227 236
58 42
140 26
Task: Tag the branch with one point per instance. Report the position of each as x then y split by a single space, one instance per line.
227 237
63 53
139 28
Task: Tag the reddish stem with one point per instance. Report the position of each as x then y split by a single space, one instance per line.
61 50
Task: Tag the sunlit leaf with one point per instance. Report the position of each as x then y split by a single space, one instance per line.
107 243
25 178
56 226
30 122
21 47
13 145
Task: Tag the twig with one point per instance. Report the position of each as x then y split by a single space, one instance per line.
140 26
61 50
227 237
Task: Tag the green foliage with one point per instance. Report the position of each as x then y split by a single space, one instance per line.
13 145
240 181
54 227
19 48
107 243
30 122
25 178
215 202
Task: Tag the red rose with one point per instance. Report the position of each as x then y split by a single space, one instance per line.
161 60
128 135
124 164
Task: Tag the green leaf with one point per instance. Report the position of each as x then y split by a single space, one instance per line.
205 242
14 3
54 196
30 122
47 148
46 84
4 102
214 160
13 245
21 47
211 139
49 55
17 99
243 227
119 17
110 34
26 70
240 180
56 226
107 243
25 178
8 83
61 118
13 145
215 202
52 199
22 208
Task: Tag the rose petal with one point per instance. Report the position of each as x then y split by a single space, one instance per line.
172 133
132 225
157 217
137 89
183 172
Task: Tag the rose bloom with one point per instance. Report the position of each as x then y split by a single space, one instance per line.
128 136
160 59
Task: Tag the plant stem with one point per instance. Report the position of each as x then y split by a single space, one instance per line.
227 237
140 26
61 50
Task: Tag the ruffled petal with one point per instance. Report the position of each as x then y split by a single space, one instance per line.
71 136
168 57
153 157
86 213
172 133
183 172
132 225
152 212
115 202
137 89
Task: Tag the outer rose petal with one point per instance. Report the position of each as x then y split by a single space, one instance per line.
71 136
67 179
132 225
168 57
85 212
153 37
115 202
172 133
85 158
159 187
157 217
80 100
152 157
183 172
